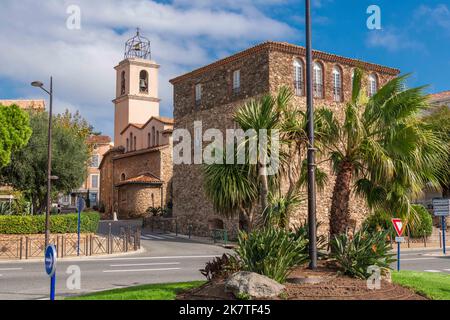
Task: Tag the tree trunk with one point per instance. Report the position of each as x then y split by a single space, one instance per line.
446 191
340 213
264 187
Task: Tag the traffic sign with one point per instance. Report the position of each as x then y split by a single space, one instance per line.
398 226
50 268
400 239
441 207
50 260
81 204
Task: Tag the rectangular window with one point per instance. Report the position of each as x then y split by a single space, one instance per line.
95 161
198 93
94 181
237 81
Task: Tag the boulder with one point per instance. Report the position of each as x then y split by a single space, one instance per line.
253 285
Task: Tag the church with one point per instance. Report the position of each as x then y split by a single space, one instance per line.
136 174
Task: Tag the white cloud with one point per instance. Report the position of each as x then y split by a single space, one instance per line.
437 16
392 39
184 35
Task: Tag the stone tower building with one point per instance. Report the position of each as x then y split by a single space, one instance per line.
136 174
212 94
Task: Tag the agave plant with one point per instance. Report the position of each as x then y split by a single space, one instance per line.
355 254
271 252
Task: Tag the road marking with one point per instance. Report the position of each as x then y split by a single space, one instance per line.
156 258
153 237
415 259
145 264
448 270
432 271
11 269
141 270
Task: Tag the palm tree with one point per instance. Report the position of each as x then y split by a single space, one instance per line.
263 115
382 149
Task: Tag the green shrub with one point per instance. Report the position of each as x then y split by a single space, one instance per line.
302 233
67 223
271 252
354 254
424 225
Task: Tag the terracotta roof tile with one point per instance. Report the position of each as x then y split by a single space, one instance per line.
146 178
440 95
99 139
25 104
289 48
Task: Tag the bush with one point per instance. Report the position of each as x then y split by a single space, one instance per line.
271 252
382 221
354 255
302 233
424 225
67 223
221 267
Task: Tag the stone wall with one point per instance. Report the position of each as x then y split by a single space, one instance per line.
261 72
134 200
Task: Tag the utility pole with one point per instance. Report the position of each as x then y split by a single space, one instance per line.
311 150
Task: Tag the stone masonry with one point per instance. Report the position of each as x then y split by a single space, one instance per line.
264 69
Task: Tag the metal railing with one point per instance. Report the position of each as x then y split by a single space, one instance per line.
28 247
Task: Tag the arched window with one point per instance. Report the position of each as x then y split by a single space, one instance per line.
128 144
373 85
122 177
318 80
157 138
337 84
154 136
131 141
143 82
299 83
135 143
149 141
122 83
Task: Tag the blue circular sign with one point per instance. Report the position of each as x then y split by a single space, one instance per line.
50 260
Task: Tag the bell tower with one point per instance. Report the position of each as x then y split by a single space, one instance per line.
137 98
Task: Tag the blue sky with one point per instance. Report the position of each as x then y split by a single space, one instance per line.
186 34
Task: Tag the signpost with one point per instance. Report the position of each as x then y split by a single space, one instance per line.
441 208
50 268
399 228
80 207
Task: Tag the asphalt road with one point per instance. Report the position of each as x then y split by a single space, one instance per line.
167 259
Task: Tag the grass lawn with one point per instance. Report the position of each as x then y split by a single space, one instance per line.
435 286
147 292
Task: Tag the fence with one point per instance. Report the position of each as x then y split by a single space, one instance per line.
29 247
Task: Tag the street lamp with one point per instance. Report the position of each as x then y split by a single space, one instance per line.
39 84
311 150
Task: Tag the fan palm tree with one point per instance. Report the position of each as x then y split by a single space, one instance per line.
382 149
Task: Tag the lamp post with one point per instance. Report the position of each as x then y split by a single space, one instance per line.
311 150
39 84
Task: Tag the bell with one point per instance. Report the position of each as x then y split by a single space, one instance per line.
137 47
143 83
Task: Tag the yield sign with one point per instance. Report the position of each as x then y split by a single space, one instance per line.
398 226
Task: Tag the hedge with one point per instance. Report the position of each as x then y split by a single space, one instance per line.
61 223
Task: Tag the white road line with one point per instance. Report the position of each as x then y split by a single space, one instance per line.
156 258
448 270
432 271
11 269
145 264
152 237
415 259
141 270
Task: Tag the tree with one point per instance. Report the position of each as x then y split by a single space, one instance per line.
15 131
382 149
439 119
27 171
